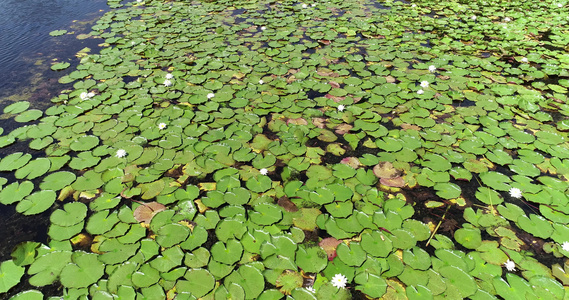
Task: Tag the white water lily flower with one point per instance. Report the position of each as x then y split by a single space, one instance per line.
120 153
162 125
264 171
560 5
261 81
515 193
341 107
420 92
167 82
432 68
473 18
565 246
510 265
507 19
263 28
304 5
424 84
339 281
210 95
84 96
313 4
310 289
524 60
91 95
414 5
169 76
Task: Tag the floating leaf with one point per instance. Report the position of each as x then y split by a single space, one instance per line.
145 211
10 275
84 270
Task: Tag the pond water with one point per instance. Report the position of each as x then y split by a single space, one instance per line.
25 39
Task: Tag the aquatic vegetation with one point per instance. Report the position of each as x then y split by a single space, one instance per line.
320 151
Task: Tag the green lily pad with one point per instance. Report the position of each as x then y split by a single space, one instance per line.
57 180
447 190
58 32
16 107
46 269
10 275
468 237
198 281
84 270
36 203
14 161
34 168
311 259
536 225
249 278
71 214
352 255
260 184
28 116
60 66
227 253
15 192
171 234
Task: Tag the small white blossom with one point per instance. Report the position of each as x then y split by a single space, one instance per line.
565 246
515 193
510 265
339 281
420 92
263 28
167 82
120 153
313 4
341 107
162 125
560 5
261 81
473 18
84 96
414 5
169 76
210 95
432 68
264 171
424 84
304 5
525 60
310 289
91 95
507 19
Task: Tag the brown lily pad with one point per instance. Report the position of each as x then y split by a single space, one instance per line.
351 161
146 211
385 169
393 182
329 245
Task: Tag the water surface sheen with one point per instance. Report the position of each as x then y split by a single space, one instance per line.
24 32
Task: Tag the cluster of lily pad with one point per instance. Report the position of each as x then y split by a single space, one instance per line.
260 149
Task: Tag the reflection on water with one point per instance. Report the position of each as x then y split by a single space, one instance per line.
24 28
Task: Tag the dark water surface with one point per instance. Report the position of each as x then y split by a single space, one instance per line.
25 39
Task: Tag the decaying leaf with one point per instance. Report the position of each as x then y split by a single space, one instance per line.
146 211
385 169
329 245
